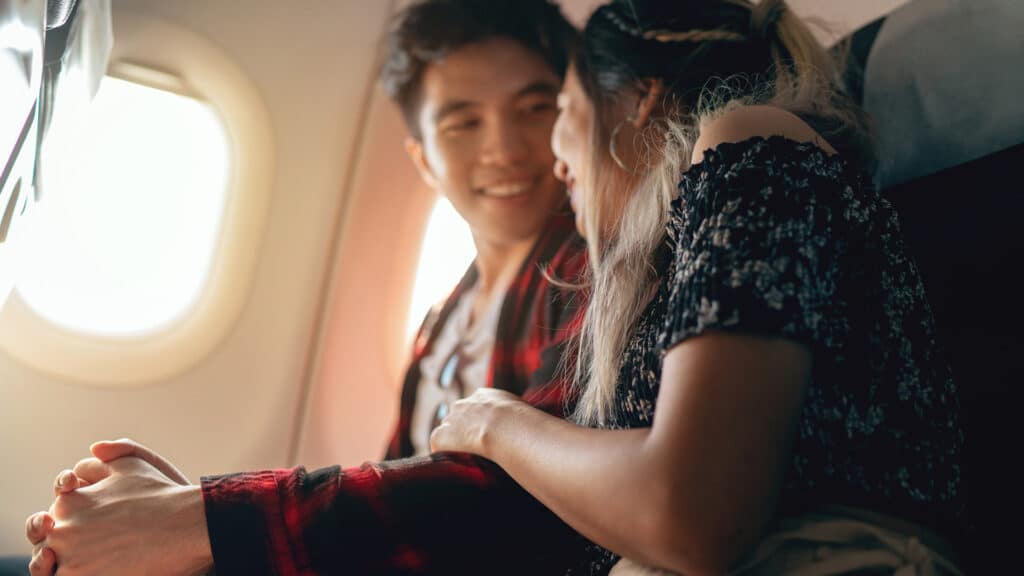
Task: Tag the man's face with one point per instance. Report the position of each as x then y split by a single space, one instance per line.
485 117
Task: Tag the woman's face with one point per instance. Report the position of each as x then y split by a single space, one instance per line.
574 157
570 140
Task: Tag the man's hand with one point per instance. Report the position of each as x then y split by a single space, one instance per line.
124 477
126 448
38 525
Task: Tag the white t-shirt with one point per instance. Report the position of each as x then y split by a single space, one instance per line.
477 343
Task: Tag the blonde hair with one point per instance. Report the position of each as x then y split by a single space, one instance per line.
623 277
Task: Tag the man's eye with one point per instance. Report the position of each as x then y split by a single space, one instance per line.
460 126
540 107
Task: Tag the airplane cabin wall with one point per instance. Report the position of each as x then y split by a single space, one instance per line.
312 64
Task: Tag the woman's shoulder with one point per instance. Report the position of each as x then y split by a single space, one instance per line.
764 163
768 150
755 122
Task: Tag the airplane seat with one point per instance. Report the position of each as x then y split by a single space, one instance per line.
78 42
53 55
938 78
61 19
22 27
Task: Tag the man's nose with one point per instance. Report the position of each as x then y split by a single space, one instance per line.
505 144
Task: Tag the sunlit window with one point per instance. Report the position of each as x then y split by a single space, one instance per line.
124 245
447 251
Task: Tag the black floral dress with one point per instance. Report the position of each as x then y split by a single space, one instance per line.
775 238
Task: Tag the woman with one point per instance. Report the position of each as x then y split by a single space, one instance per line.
749 289
761 305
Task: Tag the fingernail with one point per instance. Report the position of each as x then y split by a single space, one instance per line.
37 522
62 479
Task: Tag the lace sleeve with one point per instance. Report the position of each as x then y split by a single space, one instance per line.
758 243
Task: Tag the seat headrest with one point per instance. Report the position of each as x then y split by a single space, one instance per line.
941 83
60 21
58 12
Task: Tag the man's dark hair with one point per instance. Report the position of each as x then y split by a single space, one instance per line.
429 30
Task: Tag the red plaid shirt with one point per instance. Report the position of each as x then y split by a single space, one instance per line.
443 513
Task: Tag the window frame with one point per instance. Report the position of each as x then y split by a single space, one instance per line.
165 56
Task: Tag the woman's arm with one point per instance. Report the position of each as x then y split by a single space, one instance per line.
690 494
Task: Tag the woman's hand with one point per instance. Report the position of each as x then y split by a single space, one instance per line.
474 422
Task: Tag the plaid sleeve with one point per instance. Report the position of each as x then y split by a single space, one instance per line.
446 513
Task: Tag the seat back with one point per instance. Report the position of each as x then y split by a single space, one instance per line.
938 78
53 54
21 62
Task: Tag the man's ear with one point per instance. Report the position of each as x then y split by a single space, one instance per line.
418 155
649 97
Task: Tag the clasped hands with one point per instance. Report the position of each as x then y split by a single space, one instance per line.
124 508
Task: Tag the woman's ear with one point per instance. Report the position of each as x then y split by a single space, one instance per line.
649 97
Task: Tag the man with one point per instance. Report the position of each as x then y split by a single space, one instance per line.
476 81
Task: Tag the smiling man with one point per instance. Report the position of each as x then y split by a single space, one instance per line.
476 81
477 84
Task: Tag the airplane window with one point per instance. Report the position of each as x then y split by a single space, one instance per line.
125 244
446 252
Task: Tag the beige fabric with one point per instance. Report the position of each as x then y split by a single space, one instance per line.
837 543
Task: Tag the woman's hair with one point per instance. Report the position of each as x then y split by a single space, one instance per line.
712 56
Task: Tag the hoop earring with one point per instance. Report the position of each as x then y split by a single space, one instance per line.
611 147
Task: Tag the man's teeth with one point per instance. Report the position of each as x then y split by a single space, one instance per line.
507 190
